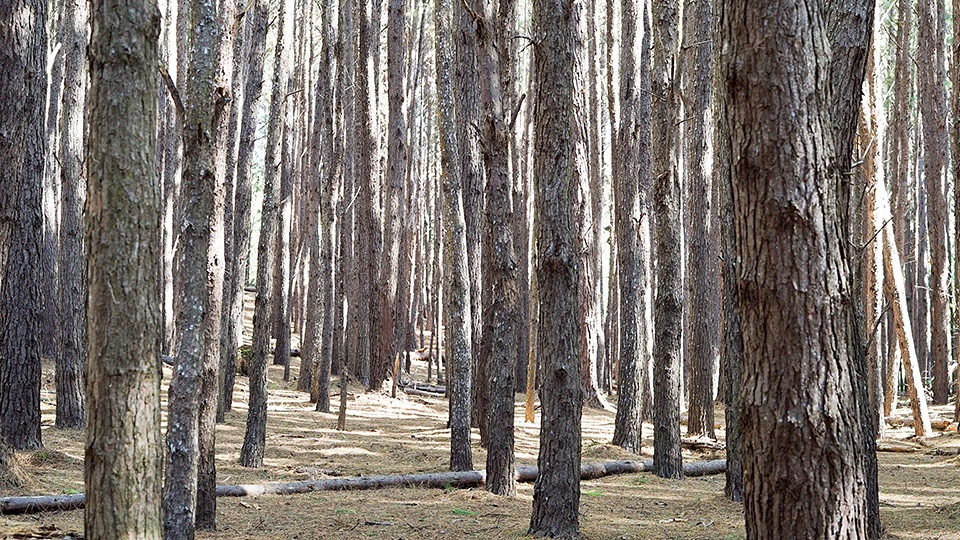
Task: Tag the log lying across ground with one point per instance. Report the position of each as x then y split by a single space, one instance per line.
526 473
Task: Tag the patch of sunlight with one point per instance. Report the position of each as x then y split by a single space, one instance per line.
346 451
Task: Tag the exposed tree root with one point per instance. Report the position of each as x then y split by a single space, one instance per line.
31 505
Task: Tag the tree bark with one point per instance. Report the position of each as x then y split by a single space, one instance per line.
256 20
790 230
456 280
123 461
560 164
702 318
22 148
193 390
500 270
632 185
254 439
668 306
71 353
931 38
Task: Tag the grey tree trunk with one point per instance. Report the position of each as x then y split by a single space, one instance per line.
632 187
193 389
123 461
254 439
71 350
702 331
668 305
456 280
560 163
500 272
256 22
22 148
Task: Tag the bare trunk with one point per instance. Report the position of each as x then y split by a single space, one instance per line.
22 147
560 165
668 306
123 469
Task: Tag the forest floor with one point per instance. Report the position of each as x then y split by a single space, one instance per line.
919 489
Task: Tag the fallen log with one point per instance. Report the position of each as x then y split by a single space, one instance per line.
465 479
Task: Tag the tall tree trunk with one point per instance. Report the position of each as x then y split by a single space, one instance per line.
254 439
784 235
456 280
71 351
256 21
320 390
467 93
895 291
668 306
500 268
22 148
589 214
931 38
560 164
390 331
901 119
123 464
955 152
732 339
702 332
632 186
192 394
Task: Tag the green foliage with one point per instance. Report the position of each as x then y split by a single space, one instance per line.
462 512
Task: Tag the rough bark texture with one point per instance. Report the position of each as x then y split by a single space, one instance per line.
221 94
256 20
124 323
931 76
456 280
955 151
254 439
631 187
500 272
702 318
560 141
390 304
320 390
193 389
732 342
803 450
22 147
668 304
467 93
71 350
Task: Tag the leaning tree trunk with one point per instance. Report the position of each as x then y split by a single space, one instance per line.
71 352
22 147
560 140
803 450
668 306
123 461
